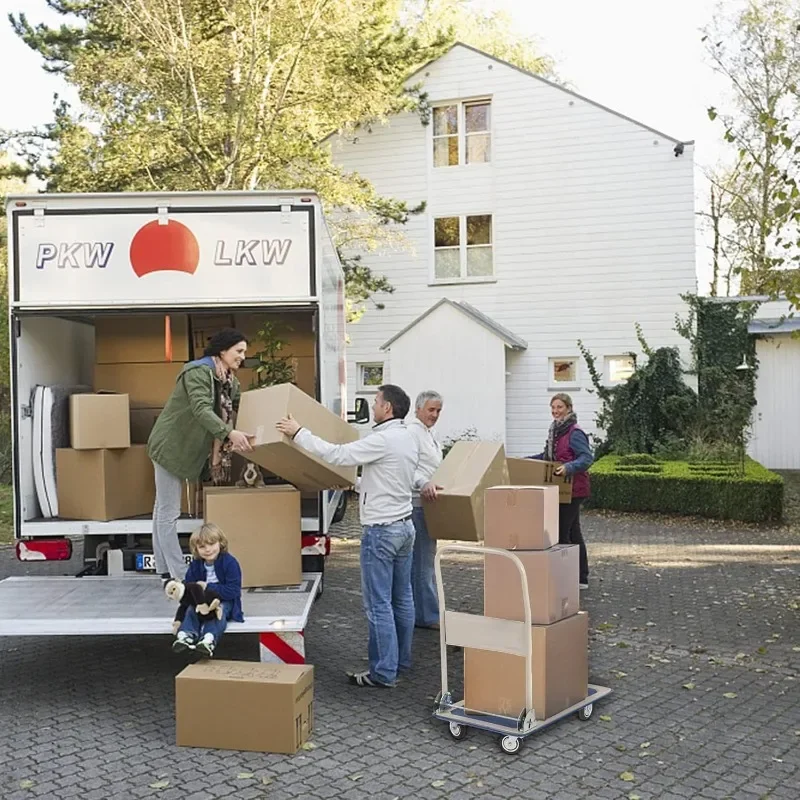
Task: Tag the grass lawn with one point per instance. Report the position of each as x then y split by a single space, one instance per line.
6 515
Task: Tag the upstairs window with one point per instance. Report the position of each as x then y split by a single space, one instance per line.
463 248
462 133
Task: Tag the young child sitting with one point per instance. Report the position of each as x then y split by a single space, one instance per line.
215 567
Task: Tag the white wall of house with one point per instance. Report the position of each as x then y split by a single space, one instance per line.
592 232
424 359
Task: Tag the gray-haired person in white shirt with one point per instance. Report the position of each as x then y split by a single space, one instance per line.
428 407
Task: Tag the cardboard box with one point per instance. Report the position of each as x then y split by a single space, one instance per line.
304 371
296 330
532 472
264 532
204 326
137 339
552 585
98 421
263 708
521 517
494 683
260 409
104 484
467 471
142 421
147 385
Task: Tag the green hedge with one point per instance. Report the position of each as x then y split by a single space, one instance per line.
707 490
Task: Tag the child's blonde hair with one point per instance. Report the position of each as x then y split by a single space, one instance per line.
208 533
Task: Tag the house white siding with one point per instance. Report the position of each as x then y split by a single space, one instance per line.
593 231
416 365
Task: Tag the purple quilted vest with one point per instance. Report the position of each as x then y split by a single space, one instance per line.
564 453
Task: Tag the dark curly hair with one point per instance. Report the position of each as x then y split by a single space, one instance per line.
224 340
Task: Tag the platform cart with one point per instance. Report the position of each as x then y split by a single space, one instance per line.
461 629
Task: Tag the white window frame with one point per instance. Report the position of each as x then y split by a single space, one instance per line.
560 386
607 367
363 388
462 250
462 133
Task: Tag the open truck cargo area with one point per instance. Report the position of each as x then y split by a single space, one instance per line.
114 293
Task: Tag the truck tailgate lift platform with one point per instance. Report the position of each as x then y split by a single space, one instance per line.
107 606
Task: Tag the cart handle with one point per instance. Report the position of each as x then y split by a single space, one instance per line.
485 621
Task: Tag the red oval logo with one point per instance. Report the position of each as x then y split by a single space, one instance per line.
158 248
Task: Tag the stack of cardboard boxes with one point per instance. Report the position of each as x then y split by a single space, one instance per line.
524 519
102 476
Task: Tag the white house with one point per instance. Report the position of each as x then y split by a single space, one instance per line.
776 418
550 219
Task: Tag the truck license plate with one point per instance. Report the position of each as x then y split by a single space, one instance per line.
147 561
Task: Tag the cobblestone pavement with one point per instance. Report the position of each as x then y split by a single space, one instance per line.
695 627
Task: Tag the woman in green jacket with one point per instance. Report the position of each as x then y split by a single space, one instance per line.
196 427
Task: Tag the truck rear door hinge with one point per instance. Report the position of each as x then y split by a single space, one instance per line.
26 412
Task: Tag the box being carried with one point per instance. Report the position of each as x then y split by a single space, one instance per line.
260 409
244 705
533 472
467 471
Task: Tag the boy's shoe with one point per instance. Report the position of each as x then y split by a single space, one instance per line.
205 647
183 643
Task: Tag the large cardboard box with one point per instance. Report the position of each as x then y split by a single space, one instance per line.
468 470
104 484
494 683
552 585
98 421
264 708
533 472
260 409
142 422
139 339
263 527
521 517
147 385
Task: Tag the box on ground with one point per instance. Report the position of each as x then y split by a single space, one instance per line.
533 472
552 585
260 409
147 385
139 339
264 532
98 421
142 421
264 708
494 683
521 517
467 471
104 484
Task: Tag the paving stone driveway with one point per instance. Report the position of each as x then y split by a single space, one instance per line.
695 628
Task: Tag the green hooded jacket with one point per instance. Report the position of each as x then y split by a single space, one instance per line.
181 439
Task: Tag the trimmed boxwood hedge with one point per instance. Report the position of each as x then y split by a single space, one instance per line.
708 490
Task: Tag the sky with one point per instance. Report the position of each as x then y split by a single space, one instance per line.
639 57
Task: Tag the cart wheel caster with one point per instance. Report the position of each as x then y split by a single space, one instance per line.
457 731
510 744
586 712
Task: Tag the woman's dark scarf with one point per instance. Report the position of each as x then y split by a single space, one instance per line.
558 427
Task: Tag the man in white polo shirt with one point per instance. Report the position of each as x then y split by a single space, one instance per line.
389 455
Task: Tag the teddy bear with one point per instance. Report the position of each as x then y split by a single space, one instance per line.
206 602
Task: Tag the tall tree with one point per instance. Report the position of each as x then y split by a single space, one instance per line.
757 50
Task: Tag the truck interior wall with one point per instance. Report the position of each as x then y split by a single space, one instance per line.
60 351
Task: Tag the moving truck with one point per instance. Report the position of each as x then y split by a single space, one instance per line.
114 292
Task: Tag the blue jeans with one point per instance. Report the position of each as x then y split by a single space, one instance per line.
386 554
216 627
423 580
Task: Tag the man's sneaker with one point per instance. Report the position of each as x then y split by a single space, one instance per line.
183 642
366 681
205 647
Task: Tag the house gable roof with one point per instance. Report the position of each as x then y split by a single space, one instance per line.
510 339
554 86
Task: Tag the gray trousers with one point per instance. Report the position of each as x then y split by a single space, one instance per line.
167 510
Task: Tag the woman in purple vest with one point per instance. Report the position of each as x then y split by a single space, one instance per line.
569 445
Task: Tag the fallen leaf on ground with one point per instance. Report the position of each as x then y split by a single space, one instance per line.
309 746
242 776
26 784
159 785
688 686
633 796
730 695
620 747
644 745
266 781
619 674
627 776
437 784
605 718
356 777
